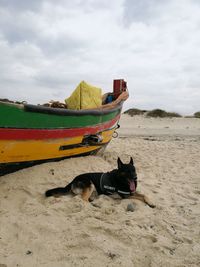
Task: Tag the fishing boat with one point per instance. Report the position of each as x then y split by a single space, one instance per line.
32 134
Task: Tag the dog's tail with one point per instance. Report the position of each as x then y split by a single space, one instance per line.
58 191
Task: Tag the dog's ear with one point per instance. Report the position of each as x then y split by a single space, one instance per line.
131 161
119 162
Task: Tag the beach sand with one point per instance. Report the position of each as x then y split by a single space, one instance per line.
65 231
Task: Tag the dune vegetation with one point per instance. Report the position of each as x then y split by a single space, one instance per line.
152 113
197 114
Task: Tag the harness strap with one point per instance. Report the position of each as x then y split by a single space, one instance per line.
105 185
123 192
107 188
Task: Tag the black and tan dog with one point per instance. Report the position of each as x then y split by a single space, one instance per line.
122 181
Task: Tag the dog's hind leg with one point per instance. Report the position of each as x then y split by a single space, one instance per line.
87 192
143 198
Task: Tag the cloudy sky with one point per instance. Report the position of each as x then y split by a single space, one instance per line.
47 47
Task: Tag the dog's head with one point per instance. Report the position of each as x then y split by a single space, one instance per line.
127 176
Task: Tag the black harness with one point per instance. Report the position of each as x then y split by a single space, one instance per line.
107 187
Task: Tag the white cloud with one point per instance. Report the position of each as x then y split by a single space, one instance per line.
47 47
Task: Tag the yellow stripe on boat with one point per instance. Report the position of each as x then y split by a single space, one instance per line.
33 150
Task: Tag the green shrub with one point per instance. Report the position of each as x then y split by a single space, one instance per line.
134 111
173 114
197 114
162 113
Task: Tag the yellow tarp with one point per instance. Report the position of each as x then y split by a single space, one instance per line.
84 96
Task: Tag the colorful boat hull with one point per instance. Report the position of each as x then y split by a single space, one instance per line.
33 134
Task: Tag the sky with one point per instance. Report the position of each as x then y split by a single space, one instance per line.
47 47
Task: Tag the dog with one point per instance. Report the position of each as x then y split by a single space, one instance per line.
122 181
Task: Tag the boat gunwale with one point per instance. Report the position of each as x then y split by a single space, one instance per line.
62 111
69 112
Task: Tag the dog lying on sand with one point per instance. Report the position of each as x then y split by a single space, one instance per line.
122 181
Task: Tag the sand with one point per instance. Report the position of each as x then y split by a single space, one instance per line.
65 231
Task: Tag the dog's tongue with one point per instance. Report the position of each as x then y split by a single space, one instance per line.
132 186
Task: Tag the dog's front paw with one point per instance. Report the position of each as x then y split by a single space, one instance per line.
151 205
148 202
